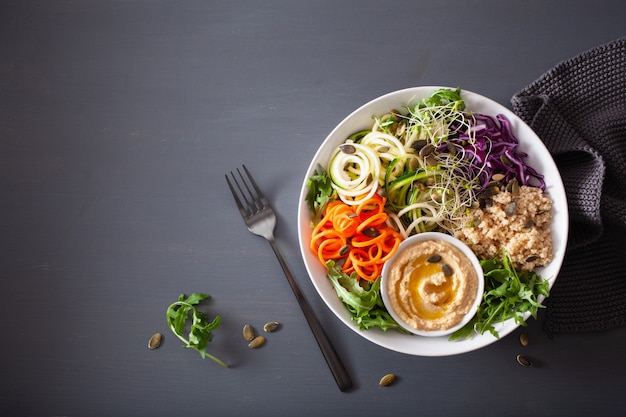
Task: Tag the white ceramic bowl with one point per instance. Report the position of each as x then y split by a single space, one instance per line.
538 157
433 236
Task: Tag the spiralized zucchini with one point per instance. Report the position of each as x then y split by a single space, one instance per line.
425 190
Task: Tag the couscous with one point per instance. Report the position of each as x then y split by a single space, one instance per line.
524 232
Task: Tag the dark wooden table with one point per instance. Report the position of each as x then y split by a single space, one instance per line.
118 121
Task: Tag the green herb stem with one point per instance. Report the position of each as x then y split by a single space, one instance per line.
200 329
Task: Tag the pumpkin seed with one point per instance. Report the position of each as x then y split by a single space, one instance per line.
414 163
256 342
434 258
271 326
511 208
155 341
497 177
347 148
491 190
383 149
426 150
530 223
248 332
484 202
523 338
532 258
524 361
387 380
418 144
431 161
344 250
513 187
401 128
447 270
451 147
371 232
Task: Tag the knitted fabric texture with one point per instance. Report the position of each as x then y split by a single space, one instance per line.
578 108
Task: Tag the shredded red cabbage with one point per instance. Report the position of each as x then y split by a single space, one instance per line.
493 150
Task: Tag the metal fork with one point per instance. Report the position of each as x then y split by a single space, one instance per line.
260 219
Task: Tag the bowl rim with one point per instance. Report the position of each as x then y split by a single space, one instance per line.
529 142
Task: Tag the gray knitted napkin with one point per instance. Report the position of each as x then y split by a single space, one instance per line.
578 108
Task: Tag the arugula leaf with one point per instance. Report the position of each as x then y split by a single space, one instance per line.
509 294
363 301
177 315
320 192
445 97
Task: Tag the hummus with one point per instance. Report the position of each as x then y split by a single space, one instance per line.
431 285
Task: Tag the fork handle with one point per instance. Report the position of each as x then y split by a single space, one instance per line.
334 362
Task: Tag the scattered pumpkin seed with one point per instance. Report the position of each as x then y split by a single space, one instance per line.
426 150
344 250
447 270
530 223
532 258
523 338
414 163
431 161
524 361
434 258
511 208
347 148
387 380
371 232
491 190
451 148
271 326
383 149
401 128
497 177
256 342
513 187
418 144
155 341
485 201
505 160
248 332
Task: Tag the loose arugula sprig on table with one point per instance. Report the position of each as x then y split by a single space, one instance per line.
200 331
508 294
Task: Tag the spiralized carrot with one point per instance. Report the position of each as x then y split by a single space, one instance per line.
357 235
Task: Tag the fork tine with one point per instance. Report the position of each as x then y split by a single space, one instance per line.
263 201
243 210
254 204
249 199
